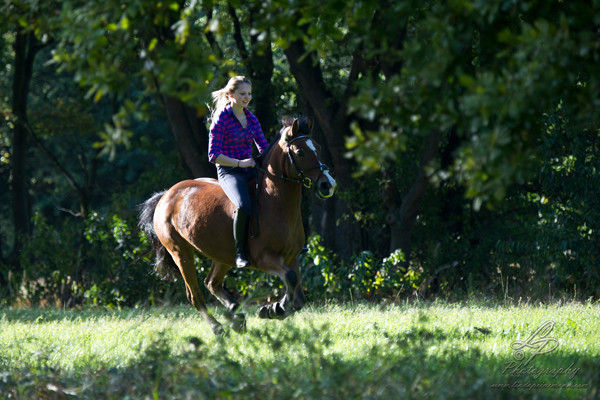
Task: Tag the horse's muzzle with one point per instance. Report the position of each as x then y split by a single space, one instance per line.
325 187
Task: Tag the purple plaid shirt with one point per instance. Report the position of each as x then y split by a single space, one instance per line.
227 136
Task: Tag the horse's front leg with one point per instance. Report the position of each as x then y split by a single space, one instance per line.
214 283
293 299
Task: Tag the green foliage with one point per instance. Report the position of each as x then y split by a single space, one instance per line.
63 267
561 239
146 44
365 277
49 265
318 271
515 82
491 70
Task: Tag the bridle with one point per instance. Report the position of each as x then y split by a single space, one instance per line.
303 179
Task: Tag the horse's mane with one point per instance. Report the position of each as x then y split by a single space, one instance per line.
286 122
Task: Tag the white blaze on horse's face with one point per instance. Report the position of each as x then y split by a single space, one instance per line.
325 189
311 146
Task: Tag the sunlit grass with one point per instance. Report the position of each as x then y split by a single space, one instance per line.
422 350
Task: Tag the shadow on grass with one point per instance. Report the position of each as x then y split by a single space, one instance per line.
299 363
46 315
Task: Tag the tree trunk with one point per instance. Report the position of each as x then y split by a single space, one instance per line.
401 218
191 138
25 48
331 116
312 86
259 64
264 94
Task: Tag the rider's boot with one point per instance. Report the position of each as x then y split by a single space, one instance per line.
240 235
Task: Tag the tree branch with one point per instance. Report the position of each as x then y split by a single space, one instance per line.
237 34
210 37
52 158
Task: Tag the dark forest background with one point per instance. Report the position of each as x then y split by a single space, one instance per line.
464 136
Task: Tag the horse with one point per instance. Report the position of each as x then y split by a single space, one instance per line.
196 215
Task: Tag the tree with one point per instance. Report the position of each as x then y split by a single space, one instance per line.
490 71
486 71
25 48
115 48
430 100
22 22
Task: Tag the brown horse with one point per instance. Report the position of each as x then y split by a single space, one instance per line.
196 215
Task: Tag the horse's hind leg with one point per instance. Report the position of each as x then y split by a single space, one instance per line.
184 258
214 283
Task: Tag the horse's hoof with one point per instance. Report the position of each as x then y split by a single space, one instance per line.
263 312
239 316
218 330
277 311
232 307
238 323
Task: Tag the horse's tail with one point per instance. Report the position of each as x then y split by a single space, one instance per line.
164 266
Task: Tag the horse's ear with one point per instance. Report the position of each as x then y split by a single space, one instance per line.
309 122
292 132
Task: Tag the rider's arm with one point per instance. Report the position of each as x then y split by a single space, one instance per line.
227 161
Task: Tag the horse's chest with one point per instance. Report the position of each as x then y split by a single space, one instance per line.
287 235
282 234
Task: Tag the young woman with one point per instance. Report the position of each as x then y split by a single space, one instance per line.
232 131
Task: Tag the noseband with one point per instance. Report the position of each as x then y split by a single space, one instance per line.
303 179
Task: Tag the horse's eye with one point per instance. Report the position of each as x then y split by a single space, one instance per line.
300 153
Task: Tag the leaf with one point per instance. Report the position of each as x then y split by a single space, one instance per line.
124 24
98 95
466 80
152 44
23 21
573 324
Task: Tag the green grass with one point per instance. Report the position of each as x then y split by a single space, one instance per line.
412 351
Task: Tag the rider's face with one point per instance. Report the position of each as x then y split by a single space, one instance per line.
241 96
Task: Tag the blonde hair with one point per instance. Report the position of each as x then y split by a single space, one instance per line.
221 97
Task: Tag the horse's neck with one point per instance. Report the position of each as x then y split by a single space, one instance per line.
277 194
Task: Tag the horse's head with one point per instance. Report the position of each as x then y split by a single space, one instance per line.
304 155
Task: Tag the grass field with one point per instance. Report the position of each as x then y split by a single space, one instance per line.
411 351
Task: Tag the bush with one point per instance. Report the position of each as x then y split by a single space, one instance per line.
364 277
99 261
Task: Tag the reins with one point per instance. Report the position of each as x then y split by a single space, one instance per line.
285 178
